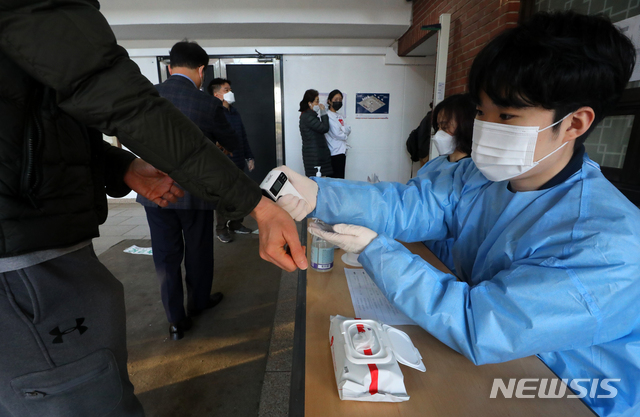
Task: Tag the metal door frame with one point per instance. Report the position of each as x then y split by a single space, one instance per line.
220 63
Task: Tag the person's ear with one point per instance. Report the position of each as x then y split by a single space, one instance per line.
170 70
581 121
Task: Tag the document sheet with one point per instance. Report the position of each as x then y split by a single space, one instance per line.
369 302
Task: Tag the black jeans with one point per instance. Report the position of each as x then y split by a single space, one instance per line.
63 350
221 222
177 235
338 163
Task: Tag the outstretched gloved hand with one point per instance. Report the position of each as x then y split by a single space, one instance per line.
308 189
349 237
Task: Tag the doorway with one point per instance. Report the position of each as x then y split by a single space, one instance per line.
257 85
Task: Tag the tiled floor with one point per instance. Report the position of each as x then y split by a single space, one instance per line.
127 220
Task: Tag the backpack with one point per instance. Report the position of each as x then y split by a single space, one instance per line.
419 140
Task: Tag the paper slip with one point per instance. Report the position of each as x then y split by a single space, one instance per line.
369 302
137 250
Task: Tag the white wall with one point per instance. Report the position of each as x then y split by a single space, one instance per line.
148 68
378 146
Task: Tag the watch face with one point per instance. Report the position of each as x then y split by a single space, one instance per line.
278 184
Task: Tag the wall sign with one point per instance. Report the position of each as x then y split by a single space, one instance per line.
372 106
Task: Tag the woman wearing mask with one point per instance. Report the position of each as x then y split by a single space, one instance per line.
453 122
314 123
337 134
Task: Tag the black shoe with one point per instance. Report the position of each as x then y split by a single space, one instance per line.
214 300
224 236
176 330
243 230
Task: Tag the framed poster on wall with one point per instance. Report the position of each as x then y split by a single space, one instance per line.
372 105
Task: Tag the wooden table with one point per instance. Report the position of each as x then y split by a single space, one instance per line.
451 386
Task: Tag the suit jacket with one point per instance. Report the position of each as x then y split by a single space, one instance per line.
207 113
243 150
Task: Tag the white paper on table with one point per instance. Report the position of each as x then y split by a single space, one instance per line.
137 250
369 302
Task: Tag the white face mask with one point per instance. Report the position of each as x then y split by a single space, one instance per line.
444 143
502 152
229 97
316 108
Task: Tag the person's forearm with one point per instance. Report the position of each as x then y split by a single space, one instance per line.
397 210
483 322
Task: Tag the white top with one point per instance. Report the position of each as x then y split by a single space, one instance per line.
337 135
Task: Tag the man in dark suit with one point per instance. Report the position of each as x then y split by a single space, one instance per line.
185 229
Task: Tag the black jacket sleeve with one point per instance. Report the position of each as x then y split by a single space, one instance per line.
70 47
318 125
117 163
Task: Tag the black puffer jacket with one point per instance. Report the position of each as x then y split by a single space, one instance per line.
315 151
63 78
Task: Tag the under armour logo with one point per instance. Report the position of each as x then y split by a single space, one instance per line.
58 334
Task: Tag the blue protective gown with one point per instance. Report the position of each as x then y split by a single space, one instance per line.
440 248
552 272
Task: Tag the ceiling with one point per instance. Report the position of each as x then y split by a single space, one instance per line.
149 20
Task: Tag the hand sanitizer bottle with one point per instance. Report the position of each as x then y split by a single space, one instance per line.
321 254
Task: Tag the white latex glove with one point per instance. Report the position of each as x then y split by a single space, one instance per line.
251 164
349 237
308 189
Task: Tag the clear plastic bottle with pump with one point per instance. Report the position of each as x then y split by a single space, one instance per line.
321 251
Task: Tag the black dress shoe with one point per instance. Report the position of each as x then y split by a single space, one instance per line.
214 300
176 330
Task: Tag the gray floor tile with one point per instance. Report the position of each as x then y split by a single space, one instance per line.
138 232
136 220
115 230
274 401
101 244
114 220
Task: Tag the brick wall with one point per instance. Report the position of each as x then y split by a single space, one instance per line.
473 24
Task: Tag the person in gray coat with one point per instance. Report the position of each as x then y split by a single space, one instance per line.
315 151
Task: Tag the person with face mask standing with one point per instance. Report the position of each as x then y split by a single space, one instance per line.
314 123
241 156
184 230
337 134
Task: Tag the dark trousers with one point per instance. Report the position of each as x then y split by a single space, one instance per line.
177 235
63 350
221 222
338 162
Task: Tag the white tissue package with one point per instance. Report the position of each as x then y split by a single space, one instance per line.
365 359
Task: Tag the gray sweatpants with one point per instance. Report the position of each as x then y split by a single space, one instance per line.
63 341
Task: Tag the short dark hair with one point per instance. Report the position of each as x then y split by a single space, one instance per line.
334 93
188 54
558 61
309 96
216 84
462 109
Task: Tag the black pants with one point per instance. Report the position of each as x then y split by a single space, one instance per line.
63 349
338 163
177 235
221 222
